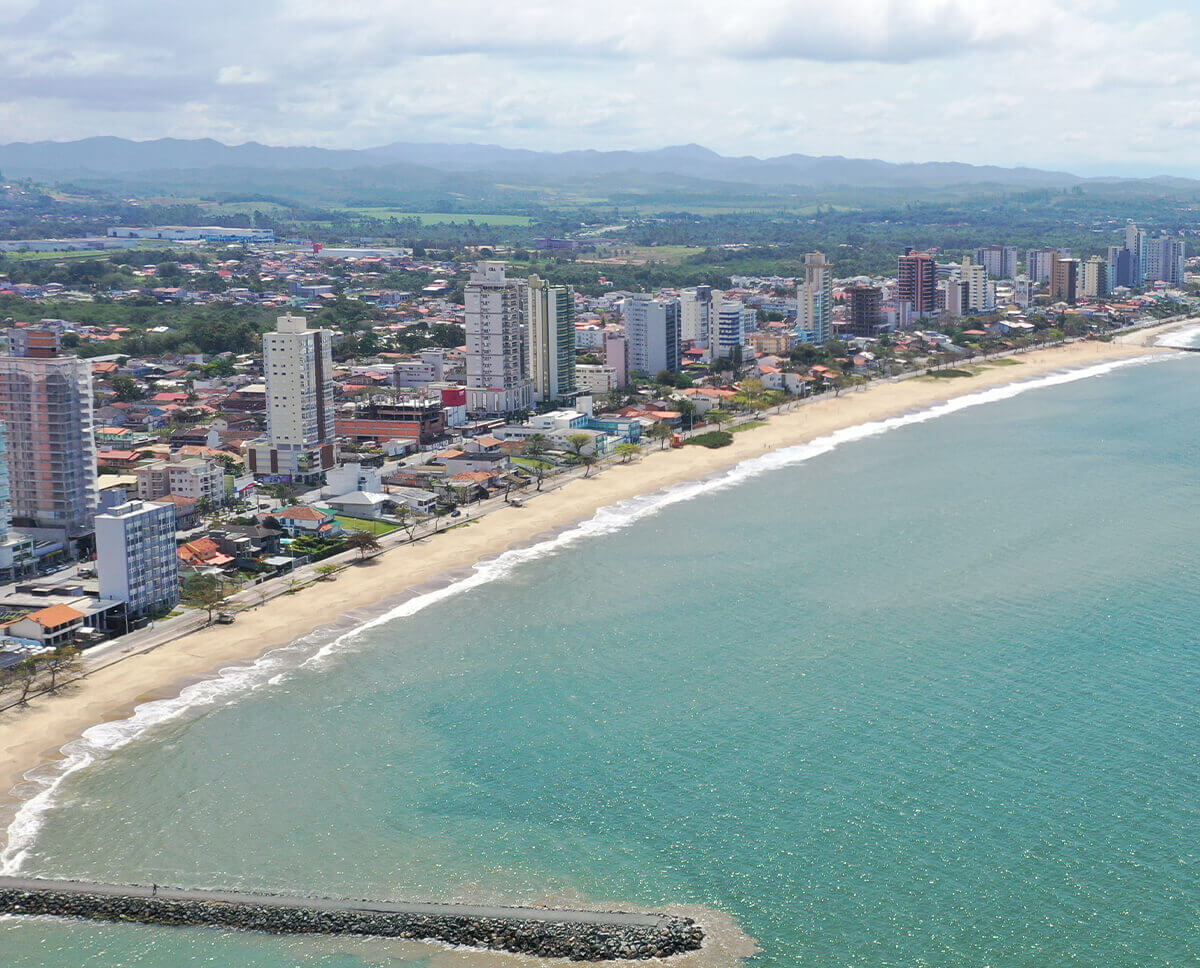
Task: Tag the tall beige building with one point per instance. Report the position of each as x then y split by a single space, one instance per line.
298 367
46 404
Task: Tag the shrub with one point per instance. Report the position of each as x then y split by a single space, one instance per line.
713 439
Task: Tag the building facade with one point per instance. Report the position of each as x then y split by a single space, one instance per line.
551 342
696 314
999 260
1095 278
136 560
496 309
298 367
652 328
46 404
916 282
195 478
616 355
864 312
814 299
1064 280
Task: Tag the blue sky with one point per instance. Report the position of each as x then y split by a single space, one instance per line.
1094 86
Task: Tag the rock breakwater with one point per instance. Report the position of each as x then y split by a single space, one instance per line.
550 933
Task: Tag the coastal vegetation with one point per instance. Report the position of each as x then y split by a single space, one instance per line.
712 439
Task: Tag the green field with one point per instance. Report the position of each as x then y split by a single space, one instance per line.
362 524
748 425
442 218
56 256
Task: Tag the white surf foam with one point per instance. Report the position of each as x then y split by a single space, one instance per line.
100 741
1186 338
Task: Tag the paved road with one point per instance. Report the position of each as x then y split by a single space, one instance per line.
540 914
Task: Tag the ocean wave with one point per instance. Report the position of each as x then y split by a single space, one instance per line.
234 682
1186 338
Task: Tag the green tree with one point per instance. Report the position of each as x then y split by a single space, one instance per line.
719 416
126 388
662 433
628 451
362 542
577 442
204 591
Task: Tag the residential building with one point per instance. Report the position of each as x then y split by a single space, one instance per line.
1064 279
52 627
429 367
421 420
41 340
814 299
999 260
595 379
1165 260
652 328
551 342
194 477
496 309
1023 291
46 404
696 314
1095 278
136 558
917 283
1039 262
864 313
1120 271
298 366
1135 245
734 320
981 296
616 355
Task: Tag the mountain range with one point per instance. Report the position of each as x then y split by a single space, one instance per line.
118 156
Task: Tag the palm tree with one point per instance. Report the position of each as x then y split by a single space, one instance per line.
362 542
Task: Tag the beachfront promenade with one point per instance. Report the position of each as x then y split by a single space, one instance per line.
549 932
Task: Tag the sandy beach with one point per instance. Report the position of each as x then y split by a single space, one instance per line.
33 736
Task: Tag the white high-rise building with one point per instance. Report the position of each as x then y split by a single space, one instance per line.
696 314
1023 291
652 328
1039 263
981 297
814 299
551 341
734 321
136 559
46 404
999 260
298 366
496 312
1165 261
1095 278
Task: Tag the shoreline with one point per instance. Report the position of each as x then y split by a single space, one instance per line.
32 739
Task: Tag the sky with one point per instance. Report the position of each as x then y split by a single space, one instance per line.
1090 86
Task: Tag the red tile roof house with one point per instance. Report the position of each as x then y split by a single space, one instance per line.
54 626
304 519
203 553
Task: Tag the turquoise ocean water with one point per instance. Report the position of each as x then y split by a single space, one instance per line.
927 699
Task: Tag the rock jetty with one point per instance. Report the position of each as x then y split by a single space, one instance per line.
548 932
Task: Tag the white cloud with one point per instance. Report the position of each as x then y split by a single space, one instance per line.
1029 81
